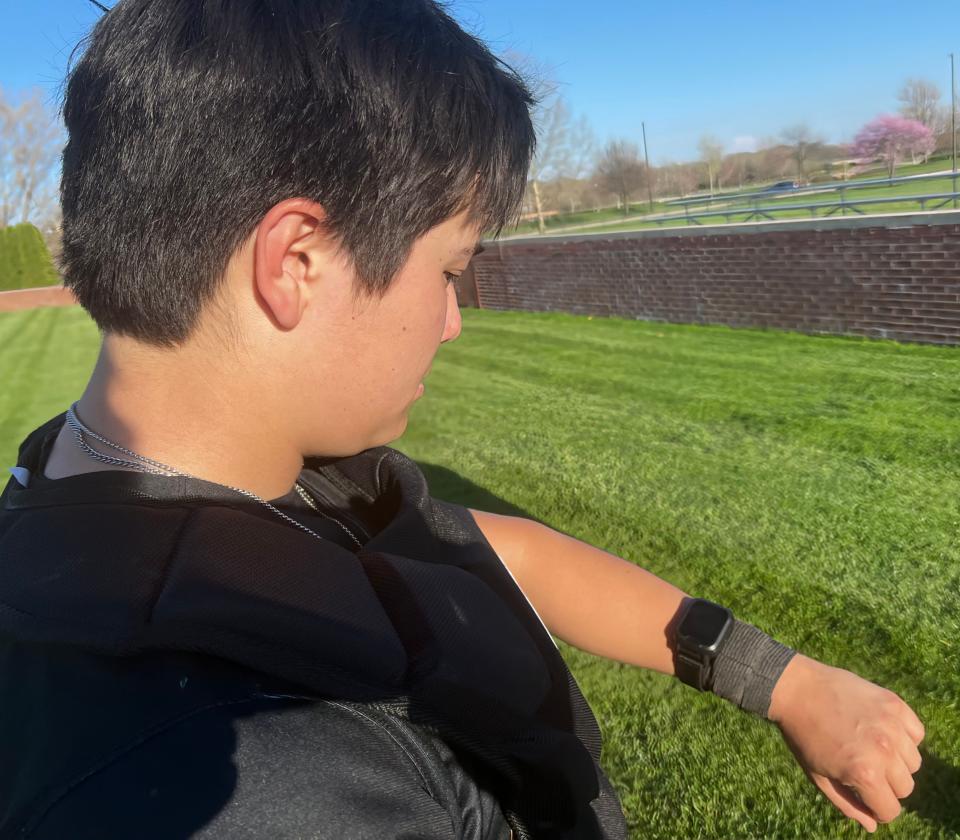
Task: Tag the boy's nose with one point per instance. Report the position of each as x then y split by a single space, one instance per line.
454 320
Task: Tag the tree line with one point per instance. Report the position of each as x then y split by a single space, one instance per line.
570 171
31 141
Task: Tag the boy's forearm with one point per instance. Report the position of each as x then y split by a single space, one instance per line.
838 725
588 597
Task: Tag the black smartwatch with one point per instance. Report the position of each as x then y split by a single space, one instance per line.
702 629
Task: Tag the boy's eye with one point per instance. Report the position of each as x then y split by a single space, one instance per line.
451 277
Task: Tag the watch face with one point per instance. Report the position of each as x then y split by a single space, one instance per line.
704 623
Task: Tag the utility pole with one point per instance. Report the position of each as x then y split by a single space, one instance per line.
646 158
953 110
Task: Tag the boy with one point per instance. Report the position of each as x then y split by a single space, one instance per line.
228 609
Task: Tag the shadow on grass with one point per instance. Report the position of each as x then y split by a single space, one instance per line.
935 796
451 487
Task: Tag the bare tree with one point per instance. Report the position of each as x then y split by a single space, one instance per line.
737 168
593 195
801 142
678 179
620 170
920 101
552 124
551 119
558 175
582 149
774 160
572 184
711 153
30 144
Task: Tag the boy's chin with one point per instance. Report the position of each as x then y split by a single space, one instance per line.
386 435
398 430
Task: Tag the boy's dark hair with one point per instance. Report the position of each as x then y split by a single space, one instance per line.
189 119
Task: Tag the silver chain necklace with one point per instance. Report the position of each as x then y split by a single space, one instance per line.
156 468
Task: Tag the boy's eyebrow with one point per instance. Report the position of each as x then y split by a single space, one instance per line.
472 252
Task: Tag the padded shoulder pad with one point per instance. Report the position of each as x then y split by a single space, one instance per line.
281 767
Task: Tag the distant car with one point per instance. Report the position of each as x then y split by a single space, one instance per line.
783 186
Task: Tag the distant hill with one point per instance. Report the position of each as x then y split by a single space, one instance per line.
25 261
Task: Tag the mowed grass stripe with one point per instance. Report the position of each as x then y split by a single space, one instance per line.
46 356
810 397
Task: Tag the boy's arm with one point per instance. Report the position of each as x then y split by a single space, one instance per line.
588 597
856 741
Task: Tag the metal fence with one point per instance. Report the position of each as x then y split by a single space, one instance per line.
755 205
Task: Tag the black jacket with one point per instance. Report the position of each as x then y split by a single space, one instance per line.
176 661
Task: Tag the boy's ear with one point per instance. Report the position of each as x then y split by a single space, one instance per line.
289 247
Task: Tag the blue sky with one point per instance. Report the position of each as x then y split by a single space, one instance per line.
740 70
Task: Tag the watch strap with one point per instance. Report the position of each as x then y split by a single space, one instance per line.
689 669
748 666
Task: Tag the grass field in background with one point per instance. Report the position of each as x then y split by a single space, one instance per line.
779 206
909 188
812 484
46 356
747 216
587 217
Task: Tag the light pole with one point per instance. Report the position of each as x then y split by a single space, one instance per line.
646 157
953 110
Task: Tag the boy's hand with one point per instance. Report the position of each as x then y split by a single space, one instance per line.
855 740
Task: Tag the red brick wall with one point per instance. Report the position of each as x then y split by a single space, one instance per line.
894 277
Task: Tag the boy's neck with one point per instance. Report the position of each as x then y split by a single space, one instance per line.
170 414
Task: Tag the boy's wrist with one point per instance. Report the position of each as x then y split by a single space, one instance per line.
786 689
748 669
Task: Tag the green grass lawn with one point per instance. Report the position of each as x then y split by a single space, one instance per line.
810 483
737 217
586 217
813 484
927 187
935 164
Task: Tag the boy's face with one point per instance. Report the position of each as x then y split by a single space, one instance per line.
368 361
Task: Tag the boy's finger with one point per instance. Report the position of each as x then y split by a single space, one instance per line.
880 799
846 802
910 755
900 779
914 725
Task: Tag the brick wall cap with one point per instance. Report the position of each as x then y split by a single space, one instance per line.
928 218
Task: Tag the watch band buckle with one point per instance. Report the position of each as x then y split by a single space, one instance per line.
691 670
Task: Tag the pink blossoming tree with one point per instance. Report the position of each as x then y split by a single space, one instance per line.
891 138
